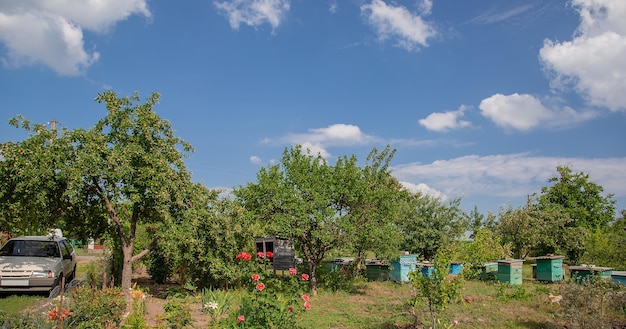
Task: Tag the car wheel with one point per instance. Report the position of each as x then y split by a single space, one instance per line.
56 290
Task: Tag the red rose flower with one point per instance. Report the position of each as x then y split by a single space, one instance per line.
293 271
255 277
241 319
305 298
290 309
307 305
269 254
260 286
260 254
243 255
305 277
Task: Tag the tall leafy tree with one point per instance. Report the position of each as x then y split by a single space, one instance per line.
428 222
520 228
125 170
582 200
374 207
301 199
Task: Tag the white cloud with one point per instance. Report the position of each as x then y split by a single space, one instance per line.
333 7
319 139
315 149
254 12
409 30
508 175
525 112
51 32
255 160
491 17
424 189
592 63
444 121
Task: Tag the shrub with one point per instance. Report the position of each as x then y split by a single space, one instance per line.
594 303
94 308
270 302
177 315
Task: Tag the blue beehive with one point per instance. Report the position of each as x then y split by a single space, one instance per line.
427 269
456 268
401 268
619 277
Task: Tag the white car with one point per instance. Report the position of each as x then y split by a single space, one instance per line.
36 264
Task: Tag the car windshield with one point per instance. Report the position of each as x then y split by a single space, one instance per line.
30 248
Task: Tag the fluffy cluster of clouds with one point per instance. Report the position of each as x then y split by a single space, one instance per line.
591 64
504 175
51 32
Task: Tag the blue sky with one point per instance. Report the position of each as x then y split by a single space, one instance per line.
482 99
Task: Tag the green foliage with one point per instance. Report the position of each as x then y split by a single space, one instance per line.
437 289
521 228
427 223
486 247
271 302
177 315
579 198
24 321
94 308
316 205
216 302
512 292
606 246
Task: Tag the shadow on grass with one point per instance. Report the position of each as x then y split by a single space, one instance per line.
538 325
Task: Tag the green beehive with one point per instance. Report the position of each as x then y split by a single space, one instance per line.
549 268
489 271
585 273
510 271
377 272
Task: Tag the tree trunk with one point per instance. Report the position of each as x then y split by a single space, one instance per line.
313 278
127 274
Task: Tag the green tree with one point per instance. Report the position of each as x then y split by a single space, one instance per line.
476 221
374 207
578 197
33 185
125 170
484 248
428 222
605 246
437 289
521 228
306 200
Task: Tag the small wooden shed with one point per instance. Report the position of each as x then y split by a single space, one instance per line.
284 253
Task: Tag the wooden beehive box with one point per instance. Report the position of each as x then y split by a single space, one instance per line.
510 271
549 268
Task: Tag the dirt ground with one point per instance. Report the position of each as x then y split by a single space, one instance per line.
154 300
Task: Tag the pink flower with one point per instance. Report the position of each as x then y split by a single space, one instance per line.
260 254
255 277
305 277
293 271
307 305
269 254
241 319
305 298
260 286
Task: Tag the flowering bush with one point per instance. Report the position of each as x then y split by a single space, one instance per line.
271 302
